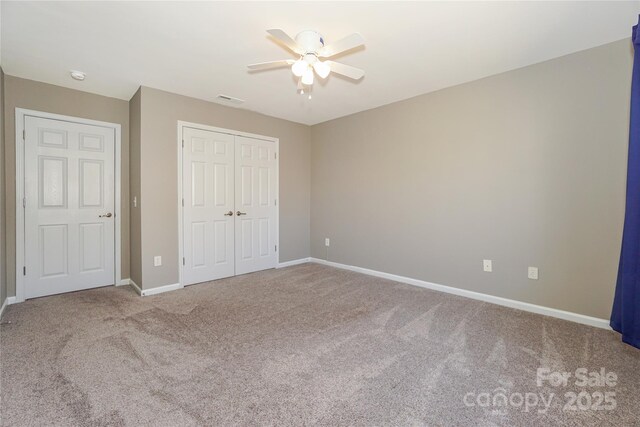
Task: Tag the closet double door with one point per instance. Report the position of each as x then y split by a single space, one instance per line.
229 205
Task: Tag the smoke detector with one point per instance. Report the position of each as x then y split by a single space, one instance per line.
78 75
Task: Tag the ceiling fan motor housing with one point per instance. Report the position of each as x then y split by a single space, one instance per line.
310 41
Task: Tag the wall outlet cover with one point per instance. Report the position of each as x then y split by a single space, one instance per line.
327 242
487 265
533 273
157 261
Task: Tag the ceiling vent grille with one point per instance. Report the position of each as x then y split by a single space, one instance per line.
230 99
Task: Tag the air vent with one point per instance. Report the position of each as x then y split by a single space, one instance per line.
230 99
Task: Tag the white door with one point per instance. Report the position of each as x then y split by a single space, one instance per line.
69 206
256 210
208 215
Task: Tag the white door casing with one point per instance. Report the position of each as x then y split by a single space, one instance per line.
255 189
250 236
69 190
208 216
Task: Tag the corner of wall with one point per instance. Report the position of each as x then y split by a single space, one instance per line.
135 237
3 259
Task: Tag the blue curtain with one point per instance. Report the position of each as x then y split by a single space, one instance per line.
625 317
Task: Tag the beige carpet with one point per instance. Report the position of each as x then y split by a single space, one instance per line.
302 345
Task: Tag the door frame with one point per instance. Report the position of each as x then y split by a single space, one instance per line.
21 114
183 124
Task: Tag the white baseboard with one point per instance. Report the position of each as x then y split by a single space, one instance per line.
7 301
152 291
159 289
525 306
123 282
293 262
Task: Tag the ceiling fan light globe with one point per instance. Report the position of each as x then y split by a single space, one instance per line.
307 77
322 69
299 67
310 58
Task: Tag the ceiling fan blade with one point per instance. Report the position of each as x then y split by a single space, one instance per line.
345 70
347 43
284 38
271 64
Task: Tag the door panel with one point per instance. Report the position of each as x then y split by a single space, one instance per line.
69 183
53 182
53 250
221 237
207 181
91 247
255 196
91 185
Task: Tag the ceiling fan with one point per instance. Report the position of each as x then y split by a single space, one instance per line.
312 50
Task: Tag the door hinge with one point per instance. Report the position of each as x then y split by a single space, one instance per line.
24 134
183 203
24 271
275 202
275 156
24 202
183 143
276 248
183 262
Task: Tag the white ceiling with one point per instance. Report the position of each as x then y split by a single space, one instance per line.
202 49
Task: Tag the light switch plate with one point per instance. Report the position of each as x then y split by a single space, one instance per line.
157 261
327 242
487 265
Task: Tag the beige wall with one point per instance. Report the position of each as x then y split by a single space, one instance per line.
160 112
21 93
526 168
3 268
135 227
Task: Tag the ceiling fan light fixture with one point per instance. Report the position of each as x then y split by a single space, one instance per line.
322 69
299 67
307 77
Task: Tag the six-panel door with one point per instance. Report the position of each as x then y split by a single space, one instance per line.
255 205
208 217
69 206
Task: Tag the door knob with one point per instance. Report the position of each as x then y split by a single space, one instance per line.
240 213
109 215
230 213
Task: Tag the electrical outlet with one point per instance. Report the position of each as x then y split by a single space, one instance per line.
533 273
157 261
487 265
327 242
